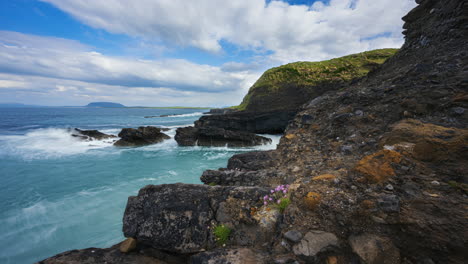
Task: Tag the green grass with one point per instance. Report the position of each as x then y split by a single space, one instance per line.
222 233
284 202
313 73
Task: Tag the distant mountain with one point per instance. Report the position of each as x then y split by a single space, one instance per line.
105 104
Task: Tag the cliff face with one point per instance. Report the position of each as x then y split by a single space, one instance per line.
378 172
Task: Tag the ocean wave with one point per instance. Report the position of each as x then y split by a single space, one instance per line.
186 115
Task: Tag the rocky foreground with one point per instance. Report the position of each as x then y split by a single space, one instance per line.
375 173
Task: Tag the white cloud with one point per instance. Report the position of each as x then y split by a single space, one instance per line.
291 32
20 55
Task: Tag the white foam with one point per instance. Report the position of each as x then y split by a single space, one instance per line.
49 143
187 115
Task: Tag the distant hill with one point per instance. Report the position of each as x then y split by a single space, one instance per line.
291 85
105 104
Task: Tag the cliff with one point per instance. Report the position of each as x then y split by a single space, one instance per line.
373 173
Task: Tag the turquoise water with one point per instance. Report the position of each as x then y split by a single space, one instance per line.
58 193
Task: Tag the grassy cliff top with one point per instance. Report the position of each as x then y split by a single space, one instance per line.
314 73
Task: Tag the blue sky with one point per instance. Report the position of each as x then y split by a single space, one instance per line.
163 53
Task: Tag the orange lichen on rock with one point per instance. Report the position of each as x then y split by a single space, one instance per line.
324 177
290 136
312 200
377 167
431 142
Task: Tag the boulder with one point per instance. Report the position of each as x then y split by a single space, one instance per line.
89 135
315 242
373 249
176 217
217 137
131 137
255 160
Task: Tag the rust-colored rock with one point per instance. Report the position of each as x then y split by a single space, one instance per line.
377 167
128 245
324 177
431 142
290 136
312 200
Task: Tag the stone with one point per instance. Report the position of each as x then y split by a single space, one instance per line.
232 256
388 203
373 249
377 167
324 177
458 110
312 200
89 135
175 217
435 183
131 137
389 187
128 245
332 260
293 236
315 242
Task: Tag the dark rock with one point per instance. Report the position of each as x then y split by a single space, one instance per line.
90 135
307 119
293 236
255 160
315 242
211 137
176 217
389 203
221 111
373 249
131 137
458 110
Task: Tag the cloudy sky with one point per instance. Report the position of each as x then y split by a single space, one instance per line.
175 52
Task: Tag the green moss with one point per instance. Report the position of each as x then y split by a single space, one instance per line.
212 184
314 73
222 233
459 186
284 202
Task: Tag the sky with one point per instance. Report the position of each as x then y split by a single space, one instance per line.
175 52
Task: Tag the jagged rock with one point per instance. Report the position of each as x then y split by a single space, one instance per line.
140 137
293 236
315 242
175 217
212 136
99 256
373 249
89 135
255 160
244 178
232 256
128 245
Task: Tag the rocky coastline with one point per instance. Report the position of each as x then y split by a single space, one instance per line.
376 172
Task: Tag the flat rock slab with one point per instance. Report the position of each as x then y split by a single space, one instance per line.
217 137
315 242
177 217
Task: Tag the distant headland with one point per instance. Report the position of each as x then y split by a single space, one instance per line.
105 104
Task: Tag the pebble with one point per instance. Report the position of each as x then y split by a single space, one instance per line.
353 187
435 183
389 187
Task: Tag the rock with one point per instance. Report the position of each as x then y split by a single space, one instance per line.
293 236
389 187
255 160
324 177
388 203
312 200
435 183
128 245
373 249
458 110
378 166
315 242
212 137
232 256
175 217
131 137
221 111
90 135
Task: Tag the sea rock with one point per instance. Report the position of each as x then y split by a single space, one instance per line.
315 242
373 249
90 135
131 137
128 245
255 160
212 136
176 217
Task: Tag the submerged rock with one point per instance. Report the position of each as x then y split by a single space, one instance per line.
131 137
217 137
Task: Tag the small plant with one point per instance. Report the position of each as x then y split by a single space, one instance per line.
278 197
221 233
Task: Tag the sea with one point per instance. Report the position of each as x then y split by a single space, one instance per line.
58 193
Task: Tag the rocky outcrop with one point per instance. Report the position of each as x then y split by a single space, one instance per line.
89 135
131 137
217 137
377 170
